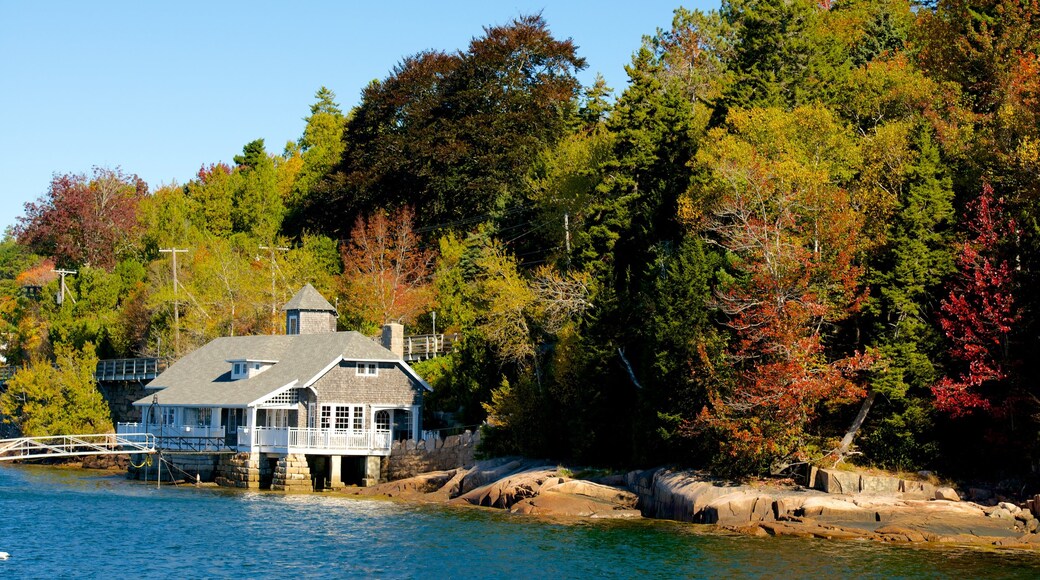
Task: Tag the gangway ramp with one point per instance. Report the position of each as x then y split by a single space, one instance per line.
24 448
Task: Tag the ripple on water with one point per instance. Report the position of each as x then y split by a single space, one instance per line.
69 523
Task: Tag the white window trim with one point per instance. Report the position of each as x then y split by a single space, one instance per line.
367 369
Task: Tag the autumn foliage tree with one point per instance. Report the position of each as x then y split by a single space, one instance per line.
83 220
386 270
790 238
979 313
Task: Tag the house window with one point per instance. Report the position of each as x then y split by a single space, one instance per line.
294 325
382 420
367 369
285 398
197 417
167 415
342 418
239 370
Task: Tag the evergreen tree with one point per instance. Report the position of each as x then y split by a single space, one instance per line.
46 398
905 280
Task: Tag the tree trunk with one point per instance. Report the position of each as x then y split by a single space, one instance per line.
846 441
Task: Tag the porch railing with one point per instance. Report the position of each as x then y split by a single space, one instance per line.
170 430
182 438
293 439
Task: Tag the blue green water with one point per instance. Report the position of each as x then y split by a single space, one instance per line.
78 524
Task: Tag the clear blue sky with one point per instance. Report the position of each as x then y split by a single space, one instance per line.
160 88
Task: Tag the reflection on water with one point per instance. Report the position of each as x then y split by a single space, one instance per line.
70 523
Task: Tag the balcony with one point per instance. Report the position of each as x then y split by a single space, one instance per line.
185 438
314 441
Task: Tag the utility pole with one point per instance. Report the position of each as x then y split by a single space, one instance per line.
567 235
274 298
176 309
64 289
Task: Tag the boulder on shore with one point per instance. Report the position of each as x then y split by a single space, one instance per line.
883 509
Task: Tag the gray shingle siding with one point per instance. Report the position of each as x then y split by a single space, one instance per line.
312 322
391 386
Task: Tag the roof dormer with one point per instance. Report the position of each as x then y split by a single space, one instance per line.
247 368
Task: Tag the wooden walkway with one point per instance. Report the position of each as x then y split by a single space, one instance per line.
53 446
419 347
129 369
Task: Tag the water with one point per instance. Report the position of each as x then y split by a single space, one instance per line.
59 523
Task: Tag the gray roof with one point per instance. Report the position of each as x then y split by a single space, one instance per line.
308 299
203 378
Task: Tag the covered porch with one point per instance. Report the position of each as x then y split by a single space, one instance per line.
191 438
313 441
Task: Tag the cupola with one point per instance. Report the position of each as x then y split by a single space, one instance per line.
309 313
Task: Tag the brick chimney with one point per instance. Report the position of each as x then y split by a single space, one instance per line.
393 338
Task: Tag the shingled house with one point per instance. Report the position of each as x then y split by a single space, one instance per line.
312 402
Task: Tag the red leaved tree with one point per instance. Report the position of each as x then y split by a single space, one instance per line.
84 221
980 311
790 235
386 271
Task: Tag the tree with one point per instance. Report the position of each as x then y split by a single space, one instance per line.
782 55
321 144
910 259
454 134
258 204
84 221
386 271
980 312
790 238
212 196
60 398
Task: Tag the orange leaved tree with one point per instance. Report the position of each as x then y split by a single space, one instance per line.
386 270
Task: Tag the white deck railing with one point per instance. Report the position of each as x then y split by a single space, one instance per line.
294 440
170 430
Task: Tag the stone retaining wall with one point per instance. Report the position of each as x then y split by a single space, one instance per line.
243 470
410 458
292 474
120 397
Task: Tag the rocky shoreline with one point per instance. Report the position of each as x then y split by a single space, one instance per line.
899 511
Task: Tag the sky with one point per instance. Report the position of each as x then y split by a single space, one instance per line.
161 88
